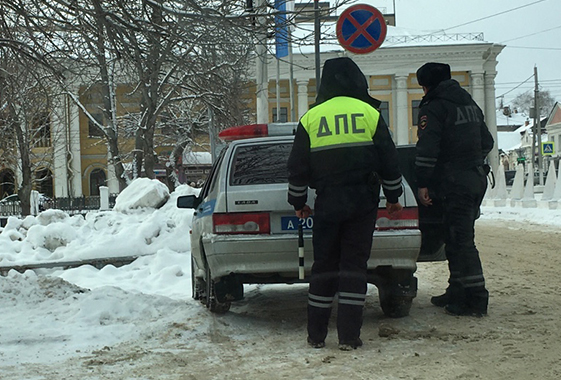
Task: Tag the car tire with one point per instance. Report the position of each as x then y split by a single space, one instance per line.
211 302
397 292
395 306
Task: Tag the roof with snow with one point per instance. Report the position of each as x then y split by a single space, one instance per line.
197 158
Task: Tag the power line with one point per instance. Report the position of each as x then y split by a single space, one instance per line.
532 47
529 35
496 14
500 96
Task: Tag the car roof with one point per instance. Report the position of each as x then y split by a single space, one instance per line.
259 140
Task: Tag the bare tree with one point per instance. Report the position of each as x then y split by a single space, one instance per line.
178 52
524 101
25 119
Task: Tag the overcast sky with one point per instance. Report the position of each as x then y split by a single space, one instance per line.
530 29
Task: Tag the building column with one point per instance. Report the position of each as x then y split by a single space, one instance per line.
75 150
302 96
112 181
478 89
67 163
402 121
60 143
491 117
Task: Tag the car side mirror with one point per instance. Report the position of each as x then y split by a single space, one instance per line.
188 201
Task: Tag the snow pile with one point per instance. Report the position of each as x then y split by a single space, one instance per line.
142 193
136 229
45 318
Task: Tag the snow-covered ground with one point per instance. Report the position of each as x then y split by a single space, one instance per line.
50 315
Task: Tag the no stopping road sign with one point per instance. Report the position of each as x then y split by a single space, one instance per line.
361 29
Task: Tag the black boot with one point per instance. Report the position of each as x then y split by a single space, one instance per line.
475 304
348 346
441 300
453 294
464 310
314 344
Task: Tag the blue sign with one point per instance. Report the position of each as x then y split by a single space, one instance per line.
548 148
281 29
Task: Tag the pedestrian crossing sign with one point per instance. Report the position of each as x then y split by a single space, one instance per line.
547 148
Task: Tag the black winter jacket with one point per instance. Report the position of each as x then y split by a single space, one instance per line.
348 164
452 133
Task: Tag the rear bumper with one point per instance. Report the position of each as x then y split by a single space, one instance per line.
276 256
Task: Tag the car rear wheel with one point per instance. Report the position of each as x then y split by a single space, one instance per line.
395 306
396 293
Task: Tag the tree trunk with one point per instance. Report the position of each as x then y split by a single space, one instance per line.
24 192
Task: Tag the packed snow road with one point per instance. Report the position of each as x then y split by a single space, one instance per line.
263 337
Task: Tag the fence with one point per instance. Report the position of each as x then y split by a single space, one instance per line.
71 205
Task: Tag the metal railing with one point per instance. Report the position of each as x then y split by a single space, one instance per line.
433 37
71 205
10 208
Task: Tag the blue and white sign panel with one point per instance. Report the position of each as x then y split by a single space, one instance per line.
281 29
548 149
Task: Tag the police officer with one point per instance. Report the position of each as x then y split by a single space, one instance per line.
343 149
453 143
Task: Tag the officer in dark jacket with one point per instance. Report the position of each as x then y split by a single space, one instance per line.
344 150
453 143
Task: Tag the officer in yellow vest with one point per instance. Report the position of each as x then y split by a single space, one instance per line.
344 150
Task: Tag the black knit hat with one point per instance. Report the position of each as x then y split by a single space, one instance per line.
431 74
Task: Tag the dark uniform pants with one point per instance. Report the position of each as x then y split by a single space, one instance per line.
463 194
344 221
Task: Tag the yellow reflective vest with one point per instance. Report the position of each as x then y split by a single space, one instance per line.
340 122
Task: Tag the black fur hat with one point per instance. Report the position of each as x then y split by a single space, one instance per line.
432 73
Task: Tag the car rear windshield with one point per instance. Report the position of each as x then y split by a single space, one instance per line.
260 164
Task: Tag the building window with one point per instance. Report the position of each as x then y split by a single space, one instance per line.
97 179
41 125
44 182
7 183
283 115
93 130
415 111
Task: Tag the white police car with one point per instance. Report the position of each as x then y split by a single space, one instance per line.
245 232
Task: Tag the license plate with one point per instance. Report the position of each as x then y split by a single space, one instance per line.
290 223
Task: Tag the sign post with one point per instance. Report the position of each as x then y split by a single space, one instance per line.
361 29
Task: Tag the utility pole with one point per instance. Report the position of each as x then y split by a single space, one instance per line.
538 125
317 32
261 62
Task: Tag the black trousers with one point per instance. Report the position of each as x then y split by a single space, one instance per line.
344 221
463 193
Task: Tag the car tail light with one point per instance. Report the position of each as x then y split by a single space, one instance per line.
241 223
407 219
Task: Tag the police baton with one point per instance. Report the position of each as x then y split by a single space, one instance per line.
300 250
